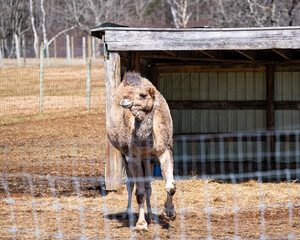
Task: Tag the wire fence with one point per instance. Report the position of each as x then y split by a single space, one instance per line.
57 191
32 90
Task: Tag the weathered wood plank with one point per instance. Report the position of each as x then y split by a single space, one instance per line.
213 68
217 105
121 39
113 163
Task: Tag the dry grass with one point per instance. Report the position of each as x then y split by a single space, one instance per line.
234 211
51 167
64 88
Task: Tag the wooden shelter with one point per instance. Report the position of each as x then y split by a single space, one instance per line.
215 81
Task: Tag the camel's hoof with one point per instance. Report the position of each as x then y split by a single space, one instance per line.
169 213
142 226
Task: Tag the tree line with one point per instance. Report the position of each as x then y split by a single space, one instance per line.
39 20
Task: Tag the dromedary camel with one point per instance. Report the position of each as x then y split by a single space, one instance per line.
140 127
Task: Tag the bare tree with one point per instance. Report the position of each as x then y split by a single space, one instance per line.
35 44
180 12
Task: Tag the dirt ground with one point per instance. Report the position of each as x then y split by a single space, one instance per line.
52 168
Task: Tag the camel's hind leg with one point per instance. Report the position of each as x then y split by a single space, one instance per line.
136 167
148 164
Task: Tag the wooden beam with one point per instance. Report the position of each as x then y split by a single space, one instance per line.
213 67
234 137
288 55
113 163
287 105
217 105
210 54
149 39
248 54
233 105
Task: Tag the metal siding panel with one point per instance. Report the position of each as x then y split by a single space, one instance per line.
241 95
296 97
260 94
204 96
223 95
213 95
195 95
231 83
186 95
177 95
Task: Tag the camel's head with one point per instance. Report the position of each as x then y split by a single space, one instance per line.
137 94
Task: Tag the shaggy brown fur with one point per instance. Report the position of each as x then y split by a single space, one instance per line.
140 126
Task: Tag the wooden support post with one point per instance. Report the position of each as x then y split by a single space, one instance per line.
135 62
93 50
89 46
72 47
113 164
84 50
270 113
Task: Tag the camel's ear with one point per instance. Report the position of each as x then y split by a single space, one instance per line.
152 92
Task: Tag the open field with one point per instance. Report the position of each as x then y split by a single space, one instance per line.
52 169
64 87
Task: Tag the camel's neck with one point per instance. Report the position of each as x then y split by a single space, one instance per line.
143 129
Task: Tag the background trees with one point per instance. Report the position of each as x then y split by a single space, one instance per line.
43 21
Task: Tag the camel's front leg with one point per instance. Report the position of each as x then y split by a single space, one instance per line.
148 177
136 168
166 164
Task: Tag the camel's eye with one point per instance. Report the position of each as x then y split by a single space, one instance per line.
143 96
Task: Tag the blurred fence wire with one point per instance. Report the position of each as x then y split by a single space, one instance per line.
245 191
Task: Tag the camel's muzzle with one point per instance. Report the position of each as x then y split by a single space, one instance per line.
126 103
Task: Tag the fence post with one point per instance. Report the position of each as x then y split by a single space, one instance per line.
54 47
47 53
24 50
41 78
88 85
72 47
89 46
37 47
1 64
68 51
2 48
93 50
17 49
84 50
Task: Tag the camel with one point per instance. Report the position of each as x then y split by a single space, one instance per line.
141 128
